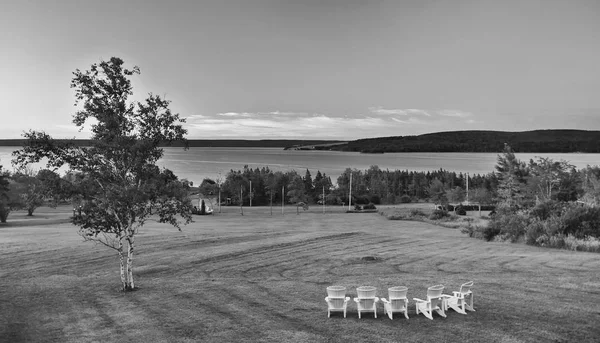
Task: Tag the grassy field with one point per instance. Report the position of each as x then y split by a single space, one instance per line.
262 278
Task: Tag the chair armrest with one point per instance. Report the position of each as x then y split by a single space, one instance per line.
458 295
420 300
376 299
347 299
356 300
385 300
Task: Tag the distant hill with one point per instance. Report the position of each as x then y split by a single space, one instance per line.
543 141
227 143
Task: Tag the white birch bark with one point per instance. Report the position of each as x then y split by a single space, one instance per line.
122 264
130 240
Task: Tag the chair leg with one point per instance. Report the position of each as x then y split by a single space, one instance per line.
427 314
406 313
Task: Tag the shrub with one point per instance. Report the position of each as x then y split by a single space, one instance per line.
557 241
468 230
438 214
405 199
534 231
509 226
375 199
369 206
591 244
546 209
460 210
487 232
581 221
357 207
416 212
362 200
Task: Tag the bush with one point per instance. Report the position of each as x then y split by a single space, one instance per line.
357 207
509 226
547 209
405 199
534 231
369 206
581 221
375 199
362 200
439 214
590 244
487 232
460 210
415 212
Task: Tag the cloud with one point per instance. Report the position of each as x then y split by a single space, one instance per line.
297 126
196 116
411 120
454 113
417 111
403 112
235 114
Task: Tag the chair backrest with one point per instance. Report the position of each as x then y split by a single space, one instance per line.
397 292
366 292
365 303
466 287
435 291
336 291
337 302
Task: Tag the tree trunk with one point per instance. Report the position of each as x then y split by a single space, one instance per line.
122 264
30 212
130 285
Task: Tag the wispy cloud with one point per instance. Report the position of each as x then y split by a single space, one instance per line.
454 113
196 116
295 124
411 120
402 112
235 114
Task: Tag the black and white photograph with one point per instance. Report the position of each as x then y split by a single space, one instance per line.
306 171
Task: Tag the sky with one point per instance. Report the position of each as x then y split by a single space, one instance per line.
312 69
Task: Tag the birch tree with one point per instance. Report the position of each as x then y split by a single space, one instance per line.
120 186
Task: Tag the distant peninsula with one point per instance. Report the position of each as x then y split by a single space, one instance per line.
541 141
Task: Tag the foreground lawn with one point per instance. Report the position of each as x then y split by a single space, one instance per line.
262 278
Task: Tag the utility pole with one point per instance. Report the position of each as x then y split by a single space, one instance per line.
323 199
241 200
282 198
250 193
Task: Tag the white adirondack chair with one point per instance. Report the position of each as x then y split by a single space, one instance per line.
397 303
336 299
435 302
462 300
366 300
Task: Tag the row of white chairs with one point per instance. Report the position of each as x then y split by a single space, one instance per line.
366 301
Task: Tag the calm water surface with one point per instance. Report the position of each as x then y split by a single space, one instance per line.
196 164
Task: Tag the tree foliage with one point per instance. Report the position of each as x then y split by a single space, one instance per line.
5 206
116 178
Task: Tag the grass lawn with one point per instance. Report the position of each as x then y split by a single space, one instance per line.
263 278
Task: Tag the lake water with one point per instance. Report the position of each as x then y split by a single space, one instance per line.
196 164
